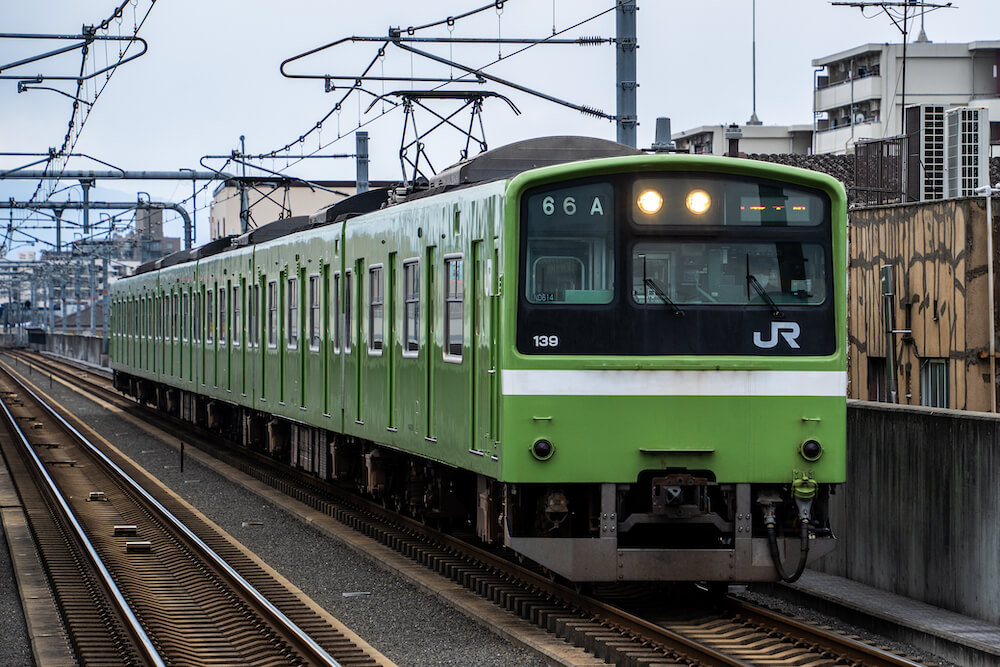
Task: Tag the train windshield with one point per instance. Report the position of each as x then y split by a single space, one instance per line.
570 246
674 263
732 273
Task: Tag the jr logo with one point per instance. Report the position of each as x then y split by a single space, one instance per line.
787 330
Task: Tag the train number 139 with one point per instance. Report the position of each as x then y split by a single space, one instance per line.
546 341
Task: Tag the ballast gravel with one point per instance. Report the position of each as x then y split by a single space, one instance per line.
406 624
15 649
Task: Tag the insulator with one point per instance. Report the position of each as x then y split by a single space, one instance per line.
590 40
591 111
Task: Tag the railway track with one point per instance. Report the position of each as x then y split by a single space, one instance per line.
137 576
621 626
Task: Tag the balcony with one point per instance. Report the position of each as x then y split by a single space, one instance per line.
840 95
837 140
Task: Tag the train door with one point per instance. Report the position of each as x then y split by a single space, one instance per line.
201 320
389 348
431 351
359 347
346 336
222 336
237 332
482 347
325 343
284 292
186 363
175 347
252 337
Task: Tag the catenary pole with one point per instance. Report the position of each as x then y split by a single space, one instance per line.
626 45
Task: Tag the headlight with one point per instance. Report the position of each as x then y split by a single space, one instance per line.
650 202
698 202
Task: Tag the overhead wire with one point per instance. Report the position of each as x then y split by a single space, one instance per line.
381 53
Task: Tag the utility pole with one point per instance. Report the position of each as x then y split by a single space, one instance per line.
92 275
58 211
76 295
361 150
86 184
244 209
626 42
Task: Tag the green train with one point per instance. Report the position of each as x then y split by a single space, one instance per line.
621 366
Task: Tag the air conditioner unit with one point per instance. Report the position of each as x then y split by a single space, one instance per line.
926 155
967 150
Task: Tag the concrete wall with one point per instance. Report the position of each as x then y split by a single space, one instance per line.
82 348
918 515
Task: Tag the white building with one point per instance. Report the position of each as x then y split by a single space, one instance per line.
859 93
268 201
711 139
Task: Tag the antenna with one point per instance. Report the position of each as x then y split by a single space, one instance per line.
900 21
753 117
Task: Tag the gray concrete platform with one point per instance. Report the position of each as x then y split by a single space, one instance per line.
965 641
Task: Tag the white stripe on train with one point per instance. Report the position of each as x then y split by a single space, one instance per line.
673 383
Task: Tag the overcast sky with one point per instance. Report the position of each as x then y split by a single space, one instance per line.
212 74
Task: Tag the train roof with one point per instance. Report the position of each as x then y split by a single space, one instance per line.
273 230
363 202
521 156
502 162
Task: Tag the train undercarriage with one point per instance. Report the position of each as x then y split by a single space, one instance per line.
669 525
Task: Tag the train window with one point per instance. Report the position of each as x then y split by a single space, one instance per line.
569 253
292 299
411 306
186 315
237 327
196 316
253 326
222 315
375 305
209 314
454 289
314 313
348 303
336 316
728 273
272 313
176 316
255 307
253 315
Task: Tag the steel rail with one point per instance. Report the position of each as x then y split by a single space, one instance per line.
319 654
667 639
845 646
135 627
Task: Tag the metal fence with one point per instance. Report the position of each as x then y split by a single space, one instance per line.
880 171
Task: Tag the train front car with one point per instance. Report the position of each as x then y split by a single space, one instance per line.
674 368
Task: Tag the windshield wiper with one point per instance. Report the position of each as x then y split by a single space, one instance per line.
761 292
650 283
